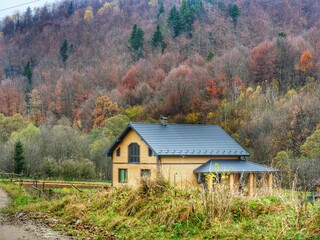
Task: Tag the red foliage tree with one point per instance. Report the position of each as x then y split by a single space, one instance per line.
11 99
263 62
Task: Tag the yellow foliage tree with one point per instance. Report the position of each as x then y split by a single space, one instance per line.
153 3
104 8
105 109
88 14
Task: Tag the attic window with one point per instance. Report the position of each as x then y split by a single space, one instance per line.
150 152
118 152
134 153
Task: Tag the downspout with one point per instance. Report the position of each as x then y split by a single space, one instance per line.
158 163
112 170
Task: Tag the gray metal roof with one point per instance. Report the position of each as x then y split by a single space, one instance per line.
184 139
232 166
316 182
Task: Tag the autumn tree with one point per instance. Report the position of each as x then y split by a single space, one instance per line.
304 66
11 98
104 109
263 62
284 63
88 14
305 62
212 90
311 147
27 72
8 125
136 41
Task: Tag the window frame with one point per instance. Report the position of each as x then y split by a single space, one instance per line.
134 153
125 170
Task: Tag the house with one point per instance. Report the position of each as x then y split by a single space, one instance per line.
183 153
316 185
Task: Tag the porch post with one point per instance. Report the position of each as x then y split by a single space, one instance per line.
251 184
270 183
231 182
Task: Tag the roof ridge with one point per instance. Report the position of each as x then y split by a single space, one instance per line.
177 124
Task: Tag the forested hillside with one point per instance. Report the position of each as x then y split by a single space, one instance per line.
74 73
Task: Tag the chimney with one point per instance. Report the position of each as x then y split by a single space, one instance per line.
164 121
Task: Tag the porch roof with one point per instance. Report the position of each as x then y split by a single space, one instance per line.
233 166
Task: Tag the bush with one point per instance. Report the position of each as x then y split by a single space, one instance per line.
49 168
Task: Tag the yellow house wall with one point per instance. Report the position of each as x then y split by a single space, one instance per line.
318 190
177 169
133 169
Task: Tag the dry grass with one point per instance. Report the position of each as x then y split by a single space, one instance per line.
158 210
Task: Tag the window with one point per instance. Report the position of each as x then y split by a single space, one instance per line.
118 152
145 173
134 153
123 175
201 178
150 152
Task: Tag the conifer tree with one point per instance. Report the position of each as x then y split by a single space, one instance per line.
158 40
136 42
174 22
27 72
161 11
234 12
19 159
70 9
186 17
64 52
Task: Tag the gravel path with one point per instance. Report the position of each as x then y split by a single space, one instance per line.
19 226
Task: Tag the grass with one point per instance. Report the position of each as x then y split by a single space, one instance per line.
159 211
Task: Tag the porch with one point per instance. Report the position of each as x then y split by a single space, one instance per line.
232 171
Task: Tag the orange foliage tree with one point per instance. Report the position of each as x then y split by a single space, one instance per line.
305 62
105 109
11 100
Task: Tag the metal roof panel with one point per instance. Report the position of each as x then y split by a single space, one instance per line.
188 139
233 166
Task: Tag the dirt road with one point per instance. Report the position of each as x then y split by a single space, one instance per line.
19 226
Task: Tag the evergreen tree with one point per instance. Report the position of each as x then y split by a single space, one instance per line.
64 52
234 12
158 40
27 72
19 159
161 11
70 9
136 42
186 16
174 22
27 18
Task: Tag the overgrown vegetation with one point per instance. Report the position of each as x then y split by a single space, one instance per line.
158 210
